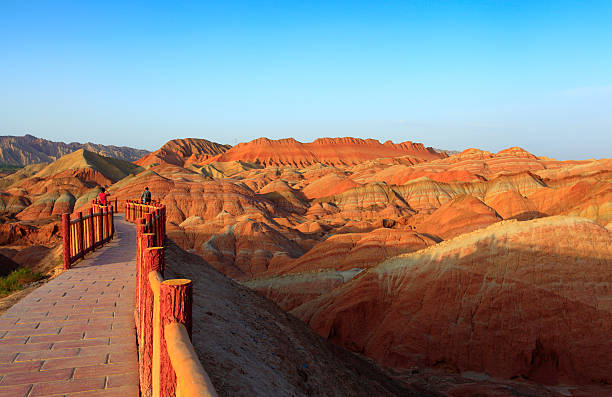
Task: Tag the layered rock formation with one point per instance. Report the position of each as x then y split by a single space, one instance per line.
250 347
530 299
183 152
461 215
38 192
25 150
332 151
310 225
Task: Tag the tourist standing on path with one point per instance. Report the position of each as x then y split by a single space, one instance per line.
103 197
146 196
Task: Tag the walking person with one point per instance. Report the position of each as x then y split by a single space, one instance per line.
146 196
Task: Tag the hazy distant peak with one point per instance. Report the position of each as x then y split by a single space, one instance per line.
28 149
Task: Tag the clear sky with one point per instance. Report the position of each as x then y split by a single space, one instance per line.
450 74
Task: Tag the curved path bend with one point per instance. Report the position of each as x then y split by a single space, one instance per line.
75 335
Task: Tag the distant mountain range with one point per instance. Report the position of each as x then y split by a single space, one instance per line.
28 149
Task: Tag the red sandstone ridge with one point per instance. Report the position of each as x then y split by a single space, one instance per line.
461 215
183 152
526 299
332 151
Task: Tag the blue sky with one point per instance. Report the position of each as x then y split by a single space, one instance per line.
489 74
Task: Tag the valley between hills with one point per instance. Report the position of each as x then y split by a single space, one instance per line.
347 266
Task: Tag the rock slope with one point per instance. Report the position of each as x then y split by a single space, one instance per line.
518 299
183 152
28 149
249 346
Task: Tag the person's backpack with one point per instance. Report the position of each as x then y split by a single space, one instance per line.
146 196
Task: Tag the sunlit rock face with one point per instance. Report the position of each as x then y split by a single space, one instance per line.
462 214
183 152
330 151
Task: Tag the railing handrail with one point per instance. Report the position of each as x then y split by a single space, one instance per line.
84 217
192 379
168 364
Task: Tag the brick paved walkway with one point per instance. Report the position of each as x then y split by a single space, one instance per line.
75 336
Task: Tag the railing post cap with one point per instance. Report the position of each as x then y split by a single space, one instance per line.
177 282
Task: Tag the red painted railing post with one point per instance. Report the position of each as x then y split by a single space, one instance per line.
66 240
95 230
100 224
80 236
164 224
139 233
105 221
158 231
153 259
156 226
146 241
148 218
112 221
175 305
91 229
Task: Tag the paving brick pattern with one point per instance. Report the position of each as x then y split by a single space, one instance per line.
75 335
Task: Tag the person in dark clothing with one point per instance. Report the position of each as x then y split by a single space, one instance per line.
146 196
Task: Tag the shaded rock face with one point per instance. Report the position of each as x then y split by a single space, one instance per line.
25 150
514 299
7 265
35 246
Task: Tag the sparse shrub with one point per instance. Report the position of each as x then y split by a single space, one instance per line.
17 279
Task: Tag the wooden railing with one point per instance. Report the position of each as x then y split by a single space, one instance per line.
135 209
112 203
168 364
84 233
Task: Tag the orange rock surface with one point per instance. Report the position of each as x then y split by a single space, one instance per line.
530 299
461 215
333 151
183 152
311 225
